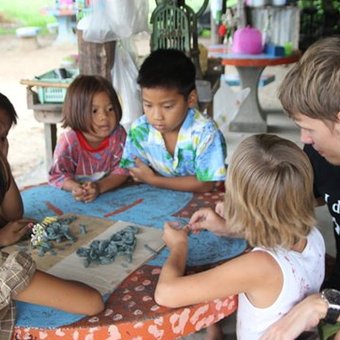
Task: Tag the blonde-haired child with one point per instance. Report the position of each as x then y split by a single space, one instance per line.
86 158
269 201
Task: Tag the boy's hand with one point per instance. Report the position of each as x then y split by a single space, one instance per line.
91 191
174 235
12 232
141 172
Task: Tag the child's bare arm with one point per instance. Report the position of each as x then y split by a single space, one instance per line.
176 241
111 182
143 173
302 317
69 296
251 273
183 183
11 207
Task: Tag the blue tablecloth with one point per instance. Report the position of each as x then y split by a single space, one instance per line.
141 204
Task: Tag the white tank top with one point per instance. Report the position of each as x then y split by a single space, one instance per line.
303 274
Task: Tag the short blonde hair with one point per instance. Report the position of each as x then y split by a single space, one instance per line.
269 192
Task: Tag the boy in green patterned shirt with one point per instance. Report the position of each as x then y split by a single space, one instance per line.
173 145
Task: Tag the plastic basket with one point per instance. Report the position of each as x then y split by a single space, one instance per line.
55 94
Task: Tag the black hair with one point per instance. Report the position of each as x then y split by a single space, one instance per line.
168 68
5 176
8 107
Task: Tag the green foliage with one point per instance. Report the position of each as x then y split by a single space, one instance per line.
318 18
320 5
231 3
30 12
194 4
24 13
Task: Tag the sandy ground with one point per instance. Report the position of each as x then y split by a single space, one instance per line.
24 61
18 61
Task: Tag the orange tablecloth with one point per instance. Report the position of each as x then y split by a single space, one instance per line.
131 310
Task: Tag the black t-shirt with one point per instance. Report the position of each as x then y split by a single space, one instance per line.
326 184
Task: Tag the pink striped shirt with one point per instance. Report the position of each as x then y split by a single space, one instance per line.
74 160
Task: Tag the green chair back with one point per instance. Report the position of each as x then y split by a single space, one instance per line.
174 25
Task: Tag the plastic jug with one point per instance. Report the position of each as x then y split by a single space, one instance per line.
247 40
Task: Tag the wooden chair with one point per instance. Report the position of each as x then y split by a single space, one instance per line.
174 25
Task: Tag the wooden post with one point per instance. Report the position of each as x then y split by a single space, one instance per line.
95 58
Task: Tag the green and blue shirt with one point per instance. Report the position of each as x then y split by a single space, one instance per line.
200 149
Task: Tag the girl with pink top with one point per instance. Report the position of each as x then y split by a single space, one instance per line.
86 158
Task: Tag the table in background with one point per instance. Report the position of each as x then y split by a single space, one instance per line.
131 310
66 19
251 118
49 114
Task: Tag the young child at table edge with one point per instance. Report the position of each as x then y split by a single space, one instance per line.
22 282
173 145
269 201
12 224
86 158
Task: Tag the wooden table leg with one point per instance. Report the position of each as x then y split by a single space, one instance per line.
250 117
50 134
49 115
